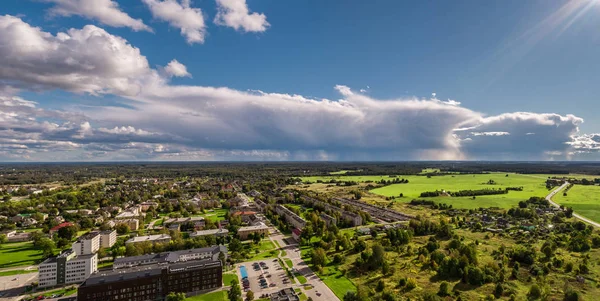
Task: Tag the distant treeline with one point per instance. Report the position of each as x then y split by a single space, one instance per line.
487 191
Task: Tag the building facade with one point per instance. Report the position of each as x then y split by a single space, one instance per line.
244 232
290 217
87 244
108 238
155 282
67 268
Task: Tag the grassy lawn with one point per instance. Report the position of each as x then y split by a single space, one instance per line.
585 200
289 262
337 282
532 186
18 254
215 215
227 278
105 264
301 279
17 272
216 296
65 291
266 249
159 223
331 276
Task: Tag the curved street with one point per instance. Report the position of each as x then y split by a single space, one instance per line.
577 216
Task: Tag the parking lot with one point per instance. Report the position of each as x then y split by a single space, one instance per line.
264 277
13 286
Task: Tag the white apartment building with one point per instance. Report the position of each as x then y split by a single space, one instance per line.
108 238
87 244
67 268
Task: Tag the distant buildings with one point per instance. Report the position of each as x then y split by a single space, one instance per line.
133 224
244 232
197 221
66 268
291 217
158 238
328 219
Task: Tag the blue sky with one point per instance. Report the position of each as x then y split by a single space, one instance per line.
495 58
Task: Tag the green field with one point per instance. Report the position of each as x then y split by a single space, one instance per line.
17 272
266 249
331 276
585 200
216 296
19 254
227 278
533 185
215 215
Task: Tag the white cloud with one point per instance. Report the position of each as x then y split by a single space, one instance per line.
86 60
235 14
181 15
509 136
104 11
175 122
175 68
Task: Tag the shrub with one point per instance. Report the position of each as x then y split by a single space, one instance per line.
411 283
535 292
444 289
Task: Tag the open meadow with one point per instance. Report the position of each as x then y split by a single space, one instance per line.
584 199
18 254
533 185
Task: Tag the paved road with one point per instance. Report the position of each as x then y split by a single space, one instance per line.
293 253
577 216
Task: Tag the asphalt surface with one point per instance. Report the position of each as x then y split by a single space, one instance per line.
12 287
320 291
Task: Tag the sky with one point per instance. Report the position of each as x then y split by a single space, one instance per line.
271 80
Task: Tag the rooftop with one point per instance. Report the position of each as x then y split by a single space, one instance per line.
148 238
209 232
253 228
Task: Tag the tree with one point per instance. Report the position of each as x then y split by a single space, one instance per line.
68 232
498 290
318 257
234 294
172 296
572 295
122 229
3 238
249 296
47 246
535 292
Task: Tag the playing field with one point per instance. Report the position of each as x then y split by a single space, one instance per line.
533 185
18 254
585 200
